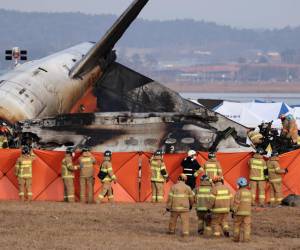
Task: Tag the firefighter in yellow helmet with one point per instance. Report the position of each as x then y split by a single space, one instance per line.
159 175
258 175
180 203
241 211
67 174
86 163
221 204
203 196
107 176
211 168
275 179
23 170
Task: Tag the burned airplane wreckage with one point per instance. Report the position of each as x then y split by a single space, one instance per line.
136 113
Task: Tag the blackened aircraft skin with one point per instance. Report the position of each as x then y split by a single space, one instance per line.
127 132
155 115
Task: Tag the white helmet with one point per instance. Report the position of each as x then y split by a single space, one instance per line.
191 152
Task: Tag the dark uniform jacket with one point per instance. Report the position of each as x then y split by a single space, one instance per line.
190 166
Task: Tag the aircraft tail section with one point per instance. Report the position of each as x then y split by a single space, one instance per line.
102 49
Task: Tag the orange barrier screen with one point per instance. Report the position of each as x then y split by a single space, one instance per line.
132 171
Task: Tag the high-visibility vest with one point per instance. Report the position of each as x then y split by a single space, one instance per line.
222 197
158 170
212 169
24 167
86 166
242 202
106 167
67 168
203 197
257 167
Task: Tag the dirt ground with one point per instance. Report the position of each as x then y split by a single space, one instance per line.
57 225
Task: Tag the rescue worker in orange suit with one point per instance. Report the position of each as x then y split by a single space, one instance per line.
159 176
258 173
211 168
67 174
3 140
180 203
221 204
289 127
190 167
241 211
23 170
86 163
203 196
106 176
275 179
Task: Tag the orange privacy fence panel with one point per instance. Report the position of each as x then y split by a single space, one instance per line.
132 171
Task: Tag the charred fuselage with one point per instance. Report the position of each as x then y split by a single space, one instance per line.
127 132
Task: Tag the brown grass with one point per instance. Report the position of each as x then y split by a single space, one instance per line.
45 225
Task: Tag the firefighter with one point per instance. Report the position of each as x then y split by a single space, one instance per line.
159 175
180 203
203 198
190 167
86 163
220 206
67 174
106 176
241 211
23 171
258 174
255 137
211 167
289 127
3 140
275 179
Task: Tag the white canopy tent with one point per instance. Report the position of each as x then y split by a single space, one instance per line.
251 114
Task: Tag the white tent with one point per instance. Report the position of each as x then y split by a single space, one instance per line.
251 114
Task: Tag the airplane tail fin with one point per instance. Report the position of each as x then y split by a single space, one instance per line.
102 48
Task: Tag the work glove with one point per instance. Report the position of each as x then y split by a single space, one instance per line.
286 170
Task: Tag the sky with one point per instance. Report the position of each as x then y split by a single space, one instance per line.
237 13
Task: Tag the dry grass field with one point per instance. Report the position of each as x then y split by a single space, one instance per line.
57 225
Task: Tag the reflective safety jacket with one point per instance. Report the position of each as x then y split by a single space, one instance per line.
23 167
274 170
222 199
106 167
67 167
242 202
181 198
257 166
211 168
203 196
86 162
3 141
158 169
255 137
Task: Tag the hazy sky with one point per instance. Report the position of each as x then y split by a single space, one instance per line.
238 13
